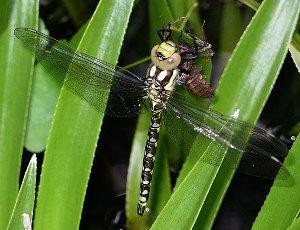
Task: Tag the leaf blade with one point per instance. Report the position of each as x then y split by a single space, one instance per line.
76 126
26 197
16 67
282 203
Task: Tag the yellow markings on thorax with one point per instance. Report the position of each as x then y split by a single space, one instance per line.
171 84
161 76
152 71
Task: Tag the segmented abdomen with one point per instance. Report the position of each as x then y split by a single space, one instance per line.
148 162
196 83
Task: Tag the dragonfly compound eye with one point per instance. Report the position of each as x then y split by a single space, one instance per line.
165 56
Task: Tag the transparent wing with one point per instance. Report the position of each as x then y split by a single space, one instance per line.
260 149
88 77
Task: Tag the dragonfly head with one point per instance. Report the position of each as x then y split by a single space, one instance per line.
165 56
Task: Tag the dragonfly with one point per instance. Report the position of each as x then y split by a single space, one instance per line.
172 65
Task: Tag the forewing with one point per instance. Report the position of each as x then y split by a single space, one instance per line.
88 77
260 153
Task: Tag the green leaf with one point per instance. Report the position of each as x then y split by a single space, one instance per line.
195 23
282 204
251 3
294 48
160 14
231 27
245 85
25 199
3 13
16 67
44 96
75 128
231 31
43 100
263 66
186 196
295 225
78 11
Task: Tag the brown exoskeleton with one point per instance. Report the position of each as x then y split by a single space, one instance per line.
190 75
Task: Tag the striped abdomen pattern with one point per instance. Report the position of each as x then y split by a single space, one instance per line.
148 161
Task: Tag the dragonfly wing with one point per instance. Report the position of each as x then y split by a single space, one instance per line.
260 147
88 77
263 146
209 123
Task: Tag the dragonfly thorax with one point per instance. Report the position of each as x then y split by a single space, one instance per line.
160 84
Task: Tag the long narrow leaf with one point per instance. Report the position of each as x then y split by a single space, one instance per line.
16 68
256 81
26 197
294 48
186 196
295 43
231 31
43 99
282 204
76 125
295 225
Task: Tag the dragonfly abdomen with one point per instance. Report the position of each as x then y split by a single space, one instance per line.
148 161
